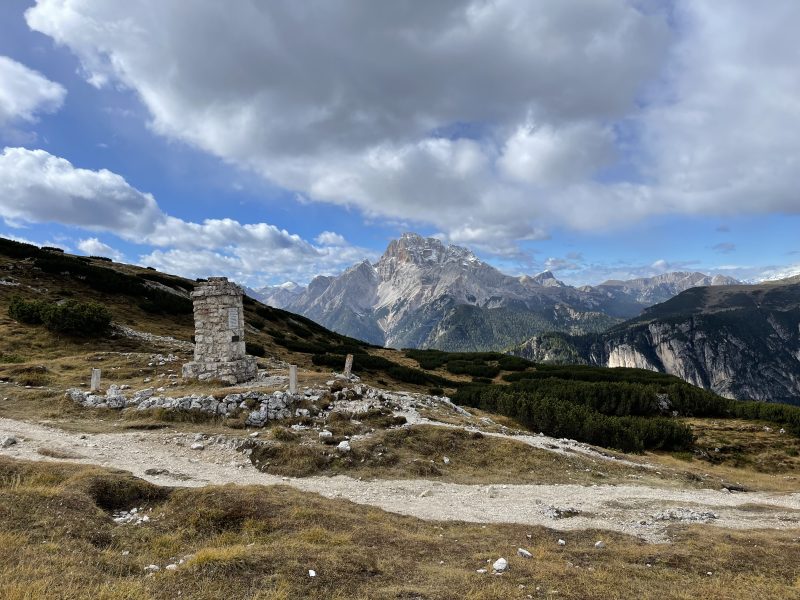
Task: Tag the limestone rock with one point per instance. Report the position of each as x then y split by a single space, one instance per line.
500 565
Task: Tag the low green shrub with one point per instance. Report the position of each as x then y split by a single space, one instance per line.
83 319
255 349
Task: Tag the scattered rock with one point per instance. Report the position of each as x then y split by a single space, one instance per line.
325 434
152 568
425 494
685 514
312 573
172 567
197 446
446 460
500 565
600 544
7 442
482 571
524 553
562 542
344 446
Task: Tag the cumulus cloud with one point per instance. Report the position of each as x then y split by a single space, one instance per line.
462 115
94 247
24 93
38 187
491 121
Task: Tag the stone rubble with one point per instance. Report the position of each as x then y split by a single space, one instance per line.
261 407
133 516
128 332
685 514
7 442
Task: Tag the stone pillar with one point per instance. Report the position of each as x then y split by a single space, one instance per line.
348 365
292 379
219 348
95 383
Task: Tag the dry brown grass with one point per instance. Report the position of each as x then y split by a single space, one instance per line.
59 454
749 456
57 540
419 452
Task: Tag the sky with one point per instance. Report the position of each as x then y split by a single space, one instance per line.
278 140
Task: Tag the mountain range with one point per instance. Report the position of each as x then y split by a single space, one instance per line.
422 293
739 341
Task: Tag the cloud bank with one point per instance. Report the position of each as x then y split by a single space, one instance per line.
38 187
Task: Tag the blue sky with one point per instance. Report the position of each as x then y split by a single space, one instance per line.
270 142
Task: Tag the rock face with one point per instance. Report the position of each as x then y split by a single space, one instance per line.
219 349
423 294
739 341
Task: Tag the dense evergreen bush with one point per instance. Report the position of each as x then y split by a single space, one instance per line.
559 412
255 349
26 311
85 319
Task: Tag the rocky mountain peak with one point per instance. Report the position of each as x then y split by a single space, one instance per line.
413 248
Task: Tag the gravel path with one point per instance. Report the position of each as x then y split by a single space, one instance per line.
640 510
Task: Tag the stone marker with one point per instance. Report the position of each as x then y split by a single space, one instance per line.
292 379
348 365
219 350
95 384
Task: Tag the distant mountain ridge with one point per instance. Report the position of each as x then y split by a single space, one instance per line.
740 341
422 293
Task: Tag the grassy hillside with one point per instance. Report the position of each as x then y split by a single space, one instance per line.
622 409
58 540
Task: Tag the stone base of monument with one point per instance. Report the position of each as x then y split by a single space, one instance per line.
233 372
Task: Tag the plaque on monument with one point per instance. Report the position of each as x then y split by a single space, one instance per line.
233 318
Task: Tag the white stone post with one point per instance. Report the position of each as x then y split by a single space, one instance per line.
292 379
95 383
348 365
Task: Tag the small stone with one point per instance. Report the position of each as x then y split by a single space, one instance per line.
7 442
325 434
446 460
600 544
562 543
482 571
344 446
524 553
500 565
172 567
312 573
152 568
425 494
197 446
255 434
491 491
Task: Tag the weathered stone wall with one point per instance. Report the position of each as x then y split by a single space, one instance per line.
219 350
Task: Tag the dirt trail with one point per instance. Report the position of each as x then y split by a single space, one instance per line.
640 510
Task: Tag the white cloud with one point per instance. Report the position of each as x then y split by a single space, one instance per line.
487 120
38 187
544 155
24 93
94 247
330 238
371 104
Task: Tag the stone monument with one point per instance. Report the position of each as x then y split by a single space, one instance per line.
219 350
